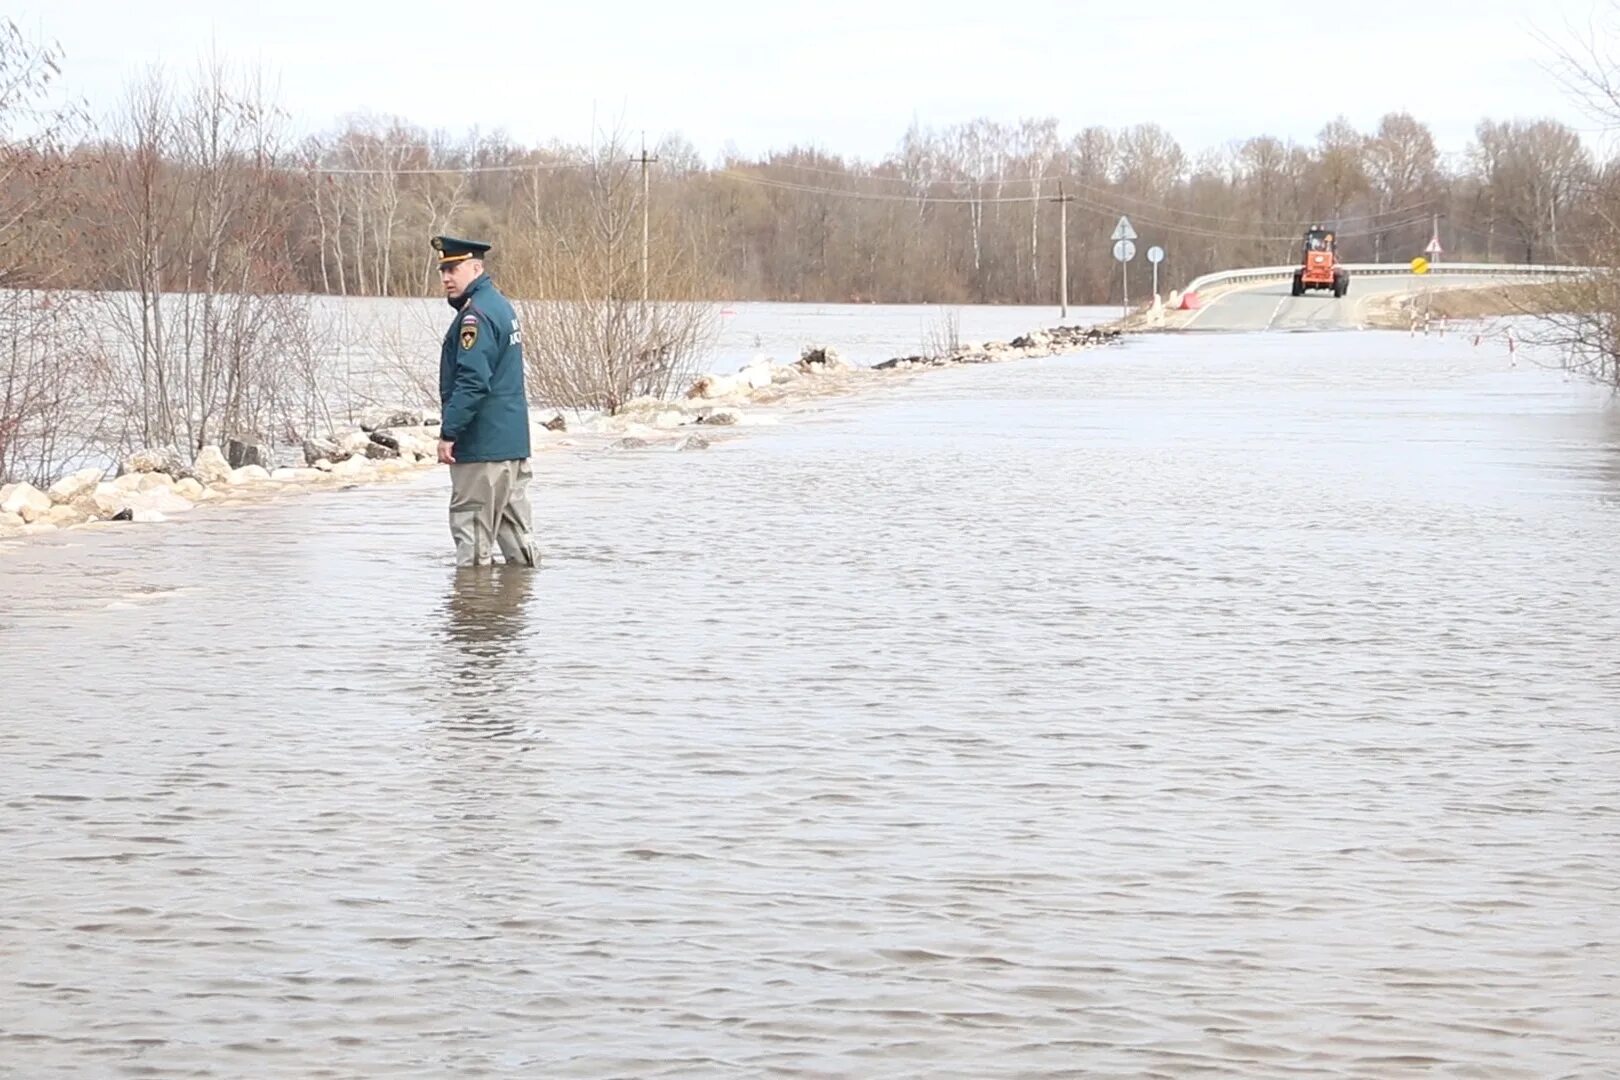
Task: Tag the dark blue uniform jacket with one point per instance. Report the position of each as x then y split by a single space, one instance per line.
484 410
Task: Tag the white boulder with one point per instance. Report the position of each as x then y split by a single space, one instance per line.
145 461
391 417
108 498
709 387
756 376
408 441
823 358
355 442
65 516
248 474
104 502
69 488
143 481
211 466
354 468
188 489
162 501
9 520
154 481
27 502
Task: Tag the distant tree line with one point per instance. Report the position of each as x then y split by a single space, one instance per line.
187 175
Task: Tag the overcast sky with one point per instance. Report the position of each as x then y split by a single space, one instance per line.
848 76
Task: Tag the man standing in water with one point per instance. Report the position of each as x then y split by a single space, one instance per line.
484 430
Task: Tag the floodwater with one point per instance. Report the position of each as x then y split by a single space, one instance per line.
866 334
387 349
1242 706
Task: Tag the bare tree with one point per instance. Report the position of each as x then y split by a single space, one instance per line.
1401 166
1341 168
48 414
978 153
1037 144
1581 317
1531 171
204 328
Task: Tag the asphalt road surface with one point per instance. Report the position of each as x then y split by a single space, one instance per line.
1270 307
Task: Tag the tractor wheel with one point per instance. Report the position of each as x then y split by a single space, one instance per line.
1339 288
1299 284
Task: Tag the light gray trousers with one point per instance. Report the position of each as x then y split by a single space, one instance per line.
489 506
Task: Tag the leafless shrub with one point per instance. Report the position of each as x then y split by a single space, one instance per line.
599 354
604 323
50 422
943 335
400 365
1578 321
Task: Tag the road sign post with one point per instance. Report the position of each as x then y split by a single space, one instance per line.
1155 256
1124 251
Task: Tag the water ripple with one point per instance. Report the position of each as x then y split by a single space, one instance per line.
1246 708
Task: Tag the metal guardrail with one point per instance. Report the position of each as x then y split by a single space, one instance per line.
1263 273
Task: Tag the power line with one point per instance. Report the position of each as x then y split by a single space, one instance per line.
1117 201
1101 207
1109 202
448 170
1077 182
876 196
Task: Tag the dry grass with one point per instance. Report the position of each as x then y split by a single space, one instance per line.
1398 311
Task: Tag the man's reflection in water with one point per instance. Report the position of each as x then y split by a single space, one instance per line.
486 617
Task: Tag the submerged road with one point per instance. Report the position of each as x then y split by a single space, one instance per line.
1233 708
1268 306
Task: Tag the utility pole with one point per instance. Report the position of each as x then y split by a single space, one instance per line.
1063 202
645 208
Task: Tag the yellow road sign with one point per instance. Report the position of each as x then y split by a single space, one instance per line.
1420 265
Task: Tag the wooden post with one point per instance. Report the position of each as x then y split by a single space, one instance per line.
1063 202
645 210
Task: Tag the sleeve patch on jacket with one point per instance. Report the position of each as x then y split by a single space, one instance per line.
469 334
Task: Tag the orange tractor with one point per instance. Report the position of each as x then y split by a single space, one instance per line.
1321 268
